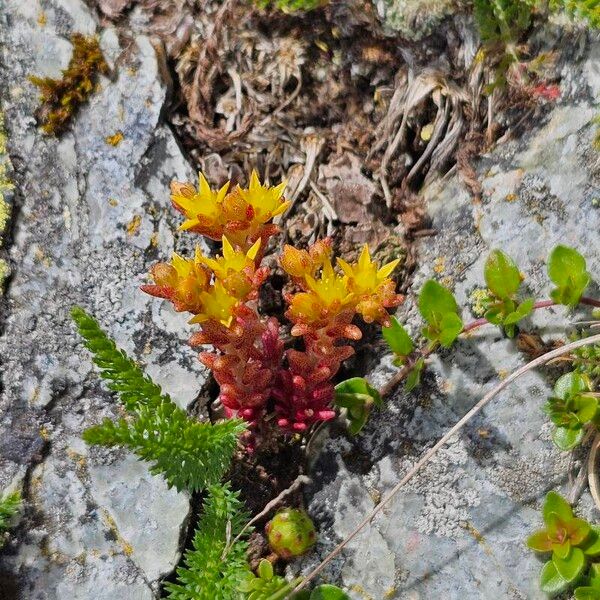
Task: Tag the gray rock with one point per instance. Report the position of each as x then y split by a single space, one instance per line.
88 221
458 529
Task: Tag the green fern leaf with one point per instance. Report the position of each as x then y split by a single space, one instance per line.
125 377
206 575
189 454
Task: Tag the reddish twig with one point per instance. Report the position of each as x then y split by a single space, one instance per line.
589 301
479 322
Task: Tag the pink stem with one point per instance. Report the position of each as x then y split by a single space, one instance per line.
589 301
479 322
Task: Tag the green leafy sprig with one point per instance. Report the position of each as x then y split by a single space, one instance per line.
205 574
572 406
189 454
266 585
570 541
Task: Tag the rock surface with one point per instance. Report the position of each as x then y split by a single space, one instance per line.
88 219
458 529
89 216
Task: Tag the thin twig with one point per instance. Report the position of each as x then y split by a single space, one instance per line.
312 146
592 468
300 480
327 207
442 442
578 483
480 322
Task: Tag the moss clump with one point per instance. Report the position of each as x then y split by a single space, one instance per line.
290 6
60 98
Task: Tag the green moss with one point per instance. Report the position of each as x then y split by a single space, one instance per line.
60 98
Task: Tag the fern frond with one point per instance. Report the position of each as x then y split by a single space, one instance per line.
135 389
206 576
189 454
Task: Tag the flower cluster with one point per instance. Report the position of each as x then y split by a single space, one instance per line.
242 215
363 287
257 376
209 288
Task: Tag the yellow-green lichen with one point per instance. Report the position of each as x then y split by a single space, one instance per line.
4 273
5 183
60 98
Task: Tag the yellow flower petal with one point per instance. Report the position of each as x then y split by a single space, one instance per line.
387 270
222 192
228 251
282 208
188 224
251 254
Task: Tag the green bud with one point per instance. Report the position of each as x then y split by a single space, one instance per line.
291 533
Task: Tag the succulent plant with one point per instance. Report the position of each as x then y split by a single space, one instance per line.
291 533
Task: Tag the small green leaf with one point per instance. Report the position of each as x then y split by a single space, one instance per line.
566 439
358 420
438 307
435 301
587 593
523 310
550 581
570 384
591 546
562 550
360 386
502 275
594 574
567 269
414 377
578 530
357 395
397 338
539 541
265 570
555 503
450 328
570 568
328 592
586 407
